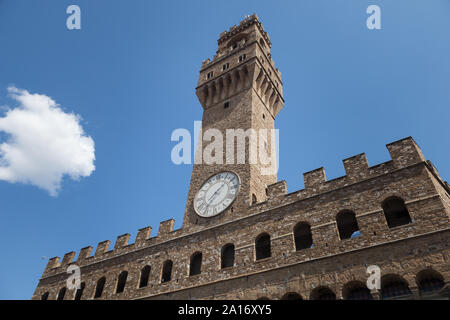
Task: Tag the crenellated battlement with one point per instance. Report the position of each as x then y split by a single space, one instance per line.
237 39
404 153
244 24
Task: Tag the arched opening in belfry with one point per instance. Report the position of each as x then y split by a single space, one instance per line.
262 246
347 224
99 287
429 281
395 212
45 296
121 281
237 40
262 42
356 290
196 264
227 256
61 294
302 236
167 271
145 275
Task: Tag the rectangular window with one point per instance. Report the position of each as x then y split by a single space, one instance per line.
210 75
242 57
225 66
226 105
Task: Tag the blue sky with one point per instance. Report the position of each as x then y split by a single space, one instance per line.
130 73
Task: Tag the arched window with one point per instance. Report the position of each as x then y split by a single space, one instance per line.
196 264
121 281
302 236
227 256
167 271
61 294
347 224
254 200
235 42
262 246
79 292
429 281
99 287
145 275
262 43
322 293
292 296
393 286
45 296
356 290
395 212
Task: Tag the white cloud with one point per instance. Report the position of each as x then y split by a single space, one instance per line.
41 143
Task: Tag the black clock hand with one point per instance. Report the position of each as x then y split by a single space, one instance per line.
215 193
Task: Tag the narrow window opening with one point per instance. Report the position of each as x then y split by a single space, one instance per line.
99 287
196 264
262 246
121 282
61 294
79 292
347 225
396 212
302 236
145 274
167 271
227 256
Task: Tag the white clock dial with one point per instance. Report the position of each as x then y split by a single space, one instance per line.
216 194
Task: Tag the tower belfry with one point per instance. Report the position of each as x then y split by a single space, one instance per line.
239 89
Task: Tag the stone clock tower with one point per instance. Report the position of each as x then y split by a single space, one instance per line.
245 237
240 90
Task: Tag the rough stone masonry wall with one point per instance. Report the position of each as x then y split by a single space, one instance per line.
403 250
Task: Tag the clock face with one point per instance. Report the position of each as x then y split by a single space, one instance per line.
216 194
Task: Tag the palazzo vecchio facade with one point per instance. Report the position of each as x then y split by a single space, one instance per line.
244 237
